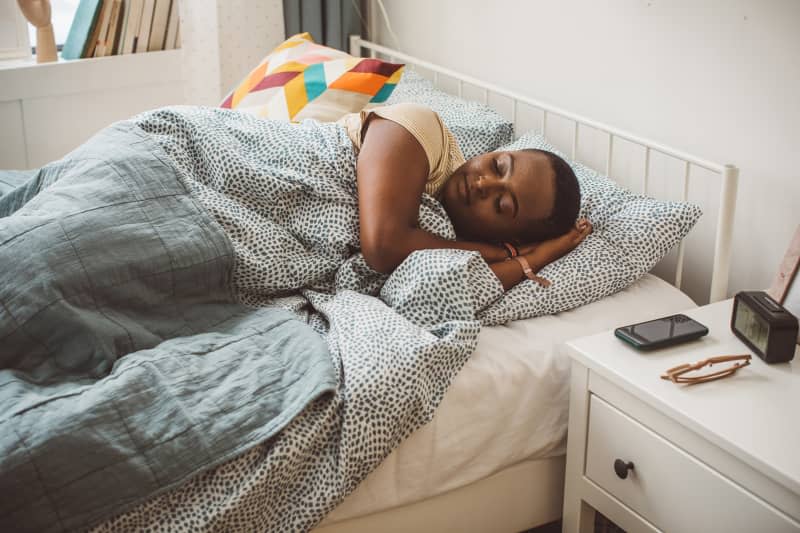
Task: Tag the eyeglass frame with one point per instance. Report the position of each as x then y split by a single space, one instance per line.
675 374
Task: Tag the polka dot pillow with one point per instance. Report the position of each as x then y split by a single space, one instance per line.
301 79
477 127
631 234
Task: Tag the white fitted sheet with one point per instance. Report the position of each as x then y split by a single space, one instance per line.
509 402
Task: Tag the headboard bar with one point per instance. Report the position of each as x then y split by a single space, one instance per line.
728 173
724 237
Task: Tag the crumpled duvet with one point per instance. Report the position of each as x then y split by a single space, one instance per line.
276 206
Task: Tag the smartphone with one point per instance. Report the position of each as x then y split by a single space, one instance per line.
661 332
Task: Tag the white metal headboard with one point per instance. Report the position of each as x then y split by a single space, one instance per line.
728 173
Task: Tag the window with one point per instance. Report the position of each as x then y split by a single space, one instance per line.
62 12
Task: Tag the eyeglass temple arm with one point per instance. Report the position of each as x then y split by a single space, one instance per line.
673 373
726 358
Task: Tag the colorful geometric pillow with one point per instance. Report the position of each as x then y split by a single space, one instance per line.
301 79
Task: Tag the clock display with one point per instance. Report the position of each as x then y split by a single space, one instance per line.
752 326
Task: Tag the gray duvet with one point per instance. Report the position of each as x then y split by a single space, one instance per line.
103 255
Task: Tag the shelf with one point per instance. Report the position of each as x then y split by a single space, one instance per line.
25 79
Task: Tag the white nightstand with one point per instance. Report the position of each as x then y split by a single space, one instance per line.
717 456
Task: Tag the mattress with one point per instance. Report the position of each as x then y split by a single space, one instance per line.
509 403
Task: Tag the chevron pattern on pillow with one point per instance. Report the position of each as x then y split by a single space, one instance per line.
301 79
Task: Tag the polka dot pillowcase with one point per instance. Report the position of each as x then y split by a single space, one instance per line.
631 234
301 79
477 127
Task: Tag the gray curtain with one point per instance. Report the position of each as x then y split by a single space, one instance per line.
329 22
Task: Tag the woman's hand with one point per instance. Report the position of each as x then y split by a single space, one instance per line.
545 252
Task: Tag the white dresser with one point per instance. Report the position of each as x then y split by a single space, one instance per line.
717 456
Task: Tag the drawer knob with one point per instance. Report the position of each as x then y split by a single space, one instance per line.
621 468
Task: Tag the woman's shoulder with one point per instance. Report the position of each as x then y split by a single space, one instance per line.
438 143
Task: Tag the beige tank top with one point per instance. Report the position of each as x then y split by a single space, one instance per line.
444 155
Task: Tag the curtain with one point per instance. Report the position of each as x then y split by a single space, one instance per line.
329 22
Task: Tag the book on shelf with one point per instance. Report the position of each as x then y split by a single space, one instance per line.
143 37
158 30
113 28
170 43
80 32
128 44
102 30
91 46
124 14
108 27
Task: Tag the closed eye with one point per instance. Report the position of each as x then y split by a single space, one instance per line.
509 208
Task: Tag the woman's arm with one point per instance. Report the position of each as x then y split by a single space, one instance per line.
392 171
510 272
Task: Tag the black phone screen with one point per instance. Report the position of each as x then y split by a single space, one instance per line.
665 328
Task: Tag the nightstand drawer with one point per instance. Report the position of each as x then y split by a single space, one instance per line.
666 486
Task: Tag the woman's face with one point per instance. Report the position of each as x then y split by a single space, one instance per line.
496 196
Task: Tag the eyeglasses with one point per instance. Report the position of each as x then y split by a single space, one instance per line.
676 374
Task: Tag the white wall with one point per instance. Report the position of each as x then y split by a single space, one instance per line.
718 79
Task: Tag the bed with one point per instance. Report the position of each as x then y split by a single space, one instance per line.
473 469
492 456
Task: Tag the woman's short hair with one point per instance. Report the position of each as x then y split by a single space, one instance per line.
566 204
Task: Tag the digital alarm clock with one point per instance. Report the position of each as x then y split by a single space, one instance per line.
765 326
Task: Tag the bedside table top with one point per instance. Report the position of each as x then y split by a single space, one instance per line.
754 414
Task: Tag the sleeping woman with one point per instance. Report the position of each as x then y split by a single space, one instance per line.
520 204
